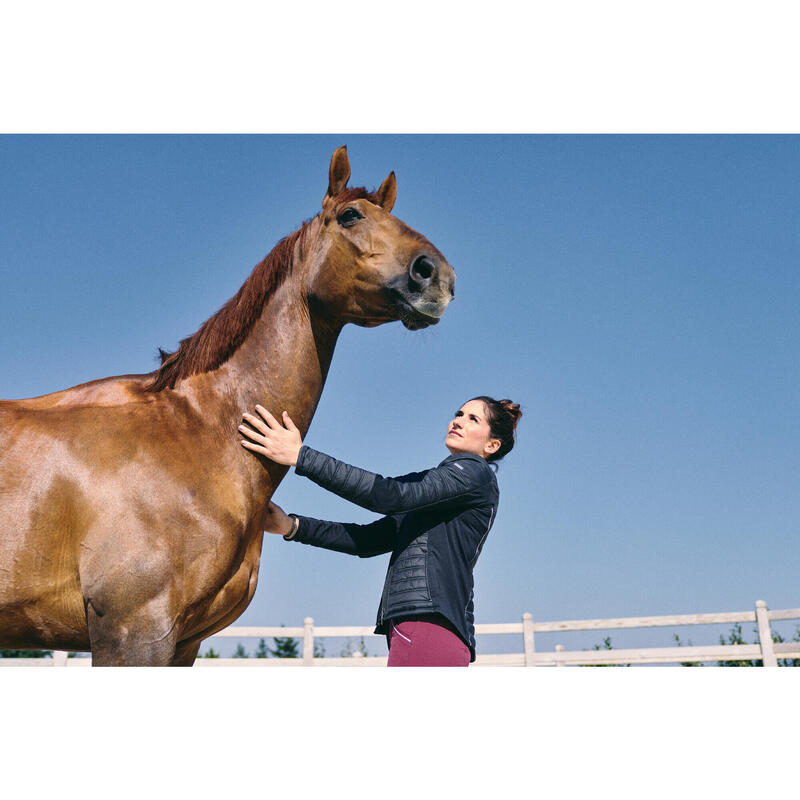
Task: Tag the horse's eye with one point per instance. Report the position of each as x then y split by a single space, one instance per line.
349 217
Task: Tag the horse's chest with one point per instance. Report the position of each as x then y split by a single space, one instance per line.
228 599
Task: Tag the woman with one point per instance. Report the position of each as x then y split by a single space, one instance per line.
435 525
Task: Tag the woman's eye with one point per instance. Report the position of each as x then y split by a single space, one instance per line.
349 217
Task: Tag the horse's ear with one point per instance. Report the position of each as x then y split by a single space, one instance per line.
387 194
339 173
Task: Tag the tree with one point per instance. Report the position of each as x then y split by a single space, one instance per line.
240 652
262 651
679 643
605 646
285 647
788 662
210 653
350 649
25 653
735 637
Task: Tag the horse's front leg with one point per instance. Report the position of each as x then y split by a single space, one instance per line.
185 655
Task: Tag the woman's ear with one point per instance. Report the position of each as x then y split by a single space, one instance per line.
492 446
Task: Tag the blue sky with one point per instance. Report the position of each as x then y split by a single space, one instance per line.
638 295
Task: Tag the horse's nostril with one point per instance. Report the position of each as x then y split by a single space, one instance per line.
422 269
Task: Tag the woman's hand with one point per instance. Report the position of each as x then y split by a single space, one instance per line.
275 521
270 438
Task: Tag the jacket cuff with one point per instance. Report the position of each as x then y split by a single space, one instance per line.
303 457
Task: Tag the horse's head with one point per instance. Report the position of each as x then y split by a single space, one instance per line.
368 267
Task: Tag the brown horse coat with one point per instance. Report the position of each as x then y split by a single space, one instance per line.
130 516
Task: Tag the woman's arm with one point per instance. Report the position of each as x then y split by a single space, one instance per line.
454 483
364 541
344 537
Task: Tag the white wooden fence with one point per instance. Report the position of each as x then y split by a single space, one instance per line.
766 651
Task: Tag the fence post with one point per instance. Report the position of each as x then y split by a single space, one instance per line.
765 635
559 650
527 638
308 642
59 658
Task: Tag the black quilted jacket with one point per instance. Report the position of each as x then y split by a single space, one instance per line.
435 525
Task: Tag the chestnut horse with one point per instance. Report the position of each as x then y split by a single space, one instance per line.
130 516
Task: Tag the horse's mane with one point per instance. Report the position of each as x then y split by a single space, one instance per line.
221 335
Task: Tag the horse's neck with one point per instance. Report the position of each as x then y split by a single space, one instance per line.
282 364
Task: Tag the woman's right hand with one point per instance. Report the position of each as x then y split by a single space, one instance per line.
275 520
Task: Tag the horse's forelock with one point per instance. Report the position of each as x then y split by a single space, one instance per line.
357 193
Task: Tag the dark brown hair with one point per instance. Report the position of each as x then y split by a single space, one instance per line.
502 416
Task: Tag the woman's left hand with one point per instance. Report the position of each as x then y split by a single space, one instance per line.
270 438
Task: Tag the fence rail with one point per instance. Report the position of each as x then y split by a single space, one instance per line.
765 650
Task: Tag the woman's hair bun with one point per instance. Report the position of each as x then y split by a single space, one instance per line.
512 409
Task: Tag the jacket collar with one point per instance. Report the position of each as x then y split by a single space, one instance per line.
458 456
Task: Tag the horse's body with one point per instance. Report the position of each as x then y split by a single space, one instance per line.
130 515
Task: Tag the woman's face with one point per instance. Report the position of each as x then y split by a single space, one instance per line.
469 432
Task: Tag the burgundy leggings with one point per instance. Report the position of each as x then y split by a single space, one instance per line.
425 641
